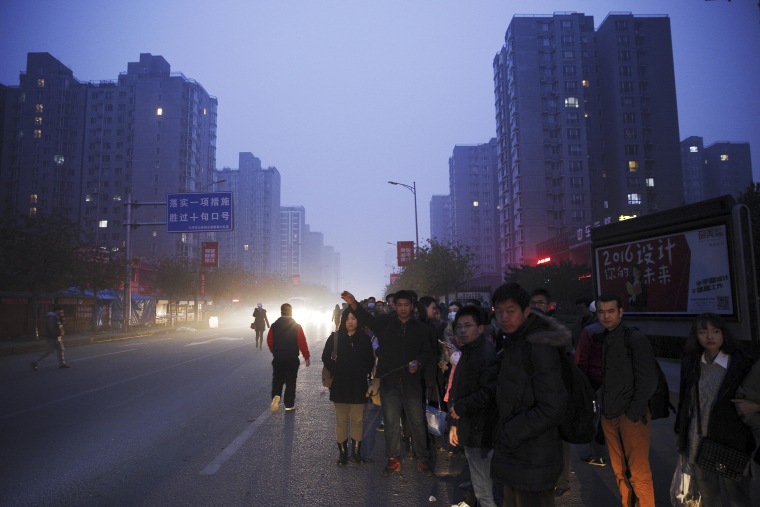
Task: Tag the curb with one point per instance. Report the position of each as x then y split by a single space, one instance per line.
13 348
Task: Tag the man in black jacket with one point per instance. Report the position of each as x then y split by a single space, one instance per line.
472 401
403 356
285 340
531 399
629 379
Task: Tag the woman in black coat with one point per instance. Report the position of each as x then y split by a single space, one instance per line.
712 370
350 367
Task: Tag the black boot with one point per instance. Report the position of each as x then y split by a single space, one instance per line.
343 450
356 452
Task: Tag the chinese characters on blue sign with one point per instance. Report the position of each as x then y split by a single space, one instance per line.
199 211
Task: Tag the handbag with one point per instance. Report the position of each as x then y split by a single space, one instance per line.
718 458
327 378
436 418
253 325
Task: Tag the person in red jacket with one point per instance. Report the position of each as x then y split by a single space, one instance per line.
285 340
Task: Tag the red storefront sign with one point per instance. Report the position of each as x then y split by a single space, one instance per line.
210 254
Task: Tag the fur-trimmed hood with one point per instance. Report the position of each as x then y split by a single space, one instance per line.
543 330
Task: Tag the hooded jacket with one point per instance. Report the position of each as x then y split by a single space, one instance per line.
473 392
527 448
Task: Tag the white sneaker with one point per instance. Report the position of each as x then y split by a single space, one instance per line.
287 409
461 504
275 406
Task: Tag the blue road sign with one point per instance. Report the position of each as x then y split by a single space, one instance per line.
199 211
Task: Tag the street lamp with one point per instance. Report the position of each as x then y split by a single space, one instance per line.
413 190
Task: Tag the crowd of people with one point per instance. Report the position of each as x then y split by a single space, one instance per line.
497 372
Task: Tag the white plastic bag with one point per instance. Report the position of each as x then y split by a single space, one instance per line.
683 489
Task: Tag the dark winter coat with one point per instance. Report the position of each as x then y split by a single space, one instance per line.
398 344
351 368
260 320
473 394
527 447
629 375
725 425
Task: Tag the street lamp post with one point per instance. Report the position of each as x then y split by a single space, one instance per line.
200 262
413 189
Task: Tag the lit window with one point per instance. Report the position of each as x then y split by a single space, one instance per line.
37 133
633 166
723 157
117 197
585 83
59 159
634 198
650 182
38 108
245 248
475 203
160 111
38 120
571 102
154 233
33 199
204 111
40 83
103 224
693 149
32 211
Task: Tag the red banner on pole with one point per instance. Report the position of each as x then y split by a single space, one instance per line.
394 277
405 253
210 254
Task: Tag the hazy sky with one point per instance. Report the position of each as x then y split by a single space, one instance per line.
342 96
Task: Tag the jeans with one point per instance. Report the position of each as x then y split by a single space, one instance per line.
710 485
479 461
285 371
54 345
628 445
393 399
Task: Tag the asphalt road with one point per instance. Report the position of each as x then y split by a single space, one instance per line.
183 419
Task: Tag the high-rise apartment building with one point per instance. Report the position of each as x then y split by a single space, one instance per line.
723 168
292 224
586 125
255 244
440 218
81 149
473 176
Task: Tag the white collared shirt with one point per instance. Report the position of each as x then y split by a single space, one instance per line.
721 359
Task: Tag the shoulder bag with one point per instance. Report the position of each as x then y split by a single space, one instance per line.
327 378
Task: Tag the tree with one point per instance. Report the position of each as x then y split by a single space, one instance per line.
174 279
565 282
98 269
437 270
38 254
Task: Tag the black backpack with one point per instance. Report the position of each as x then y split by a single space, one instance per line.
659 404
578 425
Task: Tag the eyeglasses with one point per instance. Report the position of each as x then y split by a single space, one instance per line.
464 327
534 304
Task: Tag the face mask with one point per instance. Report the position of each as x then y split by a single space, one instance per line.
371 305
452 315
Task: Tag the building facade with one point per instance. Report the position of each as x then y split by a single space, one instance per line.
586 125
440 218
473 176
82 149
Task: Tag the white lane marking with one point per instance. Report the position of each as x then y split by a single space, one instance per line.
224 338
231 449
101 355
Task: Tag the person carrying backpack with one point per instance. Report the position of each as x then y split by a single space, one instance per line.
531 399
629 379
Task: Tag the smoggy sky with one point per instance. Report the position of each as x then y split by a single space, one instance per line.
342 96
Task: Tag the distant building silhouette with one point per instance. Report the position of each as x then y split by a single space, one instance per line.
440 218
721 168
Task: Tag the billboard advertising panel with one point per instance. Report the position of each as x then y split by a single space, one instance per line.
199 211
686 272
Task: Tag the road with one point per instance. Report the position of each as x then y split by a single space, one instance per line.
183 419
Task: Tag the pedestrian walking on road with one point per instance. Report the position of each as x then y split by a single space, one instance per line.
260 323
285 340
54 337
350 364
